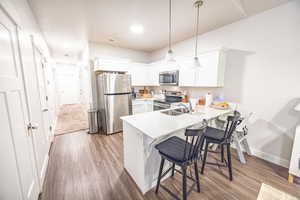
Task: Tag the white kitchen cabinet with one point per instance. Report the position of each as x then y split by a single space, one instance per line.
210 74
143 75
111 64
152 74
187 77
138 75
142 106
149 106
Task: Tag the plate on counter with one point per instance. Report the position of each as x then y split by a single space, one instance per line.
219 107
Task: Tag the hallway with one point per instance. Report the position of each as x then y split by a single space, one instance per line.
71 118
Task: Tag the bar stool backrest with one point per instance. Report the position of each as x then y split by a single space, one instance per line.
232 122
194 140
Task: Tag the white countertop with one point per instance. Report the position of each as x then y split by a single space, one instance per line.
156 124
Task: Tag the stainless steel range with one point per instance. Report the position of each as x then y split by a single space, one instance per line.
166 103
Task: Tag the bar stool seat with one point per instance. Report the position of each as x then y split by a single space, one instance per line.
214 134
173 148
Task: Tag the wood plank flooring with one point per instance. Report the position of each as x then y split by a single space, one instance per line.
88 167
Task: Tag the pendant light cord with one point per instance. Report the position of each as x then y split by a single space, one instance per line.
170 16
197 31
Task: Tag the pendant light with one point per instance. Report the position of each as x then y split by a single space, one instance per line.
170 56
196 62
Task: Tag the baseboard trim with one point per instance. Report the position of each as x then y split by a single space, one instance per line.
270 158
267 157
54 128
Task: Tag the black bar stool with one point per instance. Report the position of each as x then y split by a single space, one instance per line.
182 153
222 138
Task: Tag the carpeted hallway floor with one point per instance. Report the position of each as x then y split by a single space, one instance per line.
71 118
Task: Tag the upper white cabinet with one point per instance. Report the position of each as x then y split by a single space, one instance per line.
138 75
210 74
187 77
143 75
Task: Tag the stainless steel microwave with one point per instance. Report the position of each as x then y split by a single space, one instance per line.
169 78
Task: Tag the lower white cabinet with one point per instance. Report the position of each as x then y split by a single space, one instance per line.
142 106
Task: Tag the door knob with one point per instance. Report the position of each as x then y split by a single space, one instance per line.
45 110
32 126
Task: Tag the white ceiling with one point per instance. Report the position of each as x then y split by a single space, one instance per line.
68 24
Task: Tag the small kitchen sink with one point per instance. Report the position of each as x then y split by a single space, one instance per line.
175 112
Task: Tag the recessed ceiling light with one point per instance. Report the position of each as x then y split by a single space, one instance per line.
137 29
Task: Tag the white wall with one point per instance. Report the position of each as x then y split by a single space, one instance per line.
104 50
262 75
21 12
68 83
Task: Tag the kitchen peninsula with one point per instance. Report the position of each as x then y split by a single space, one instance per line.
143 131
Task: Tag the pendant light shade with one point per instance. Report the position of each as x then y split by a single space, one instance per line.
196 62
297 108
170 55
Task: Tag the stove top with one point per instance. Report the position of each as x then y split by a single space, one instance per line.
166 101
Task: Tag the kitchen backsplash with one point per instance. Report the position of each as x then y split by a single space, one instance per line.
192 92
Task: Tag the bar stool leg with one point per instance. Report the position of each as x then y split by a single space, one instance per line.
229 162
222 152
184 194
159 174
197 176
173 169
204 158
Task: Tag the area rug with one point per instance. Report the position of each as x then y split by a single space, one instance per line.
267 192
71 118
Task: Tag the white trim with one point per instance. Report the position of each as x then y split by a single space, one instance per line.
43 171
271 158
267 157
54 127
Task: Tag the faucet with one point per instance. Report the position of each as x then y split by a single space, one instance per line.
187 108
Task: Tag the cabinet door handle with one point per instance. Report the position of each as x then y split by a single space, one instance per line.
45 110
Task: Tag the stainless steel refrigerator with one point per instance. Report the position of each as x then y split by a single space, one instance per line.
114 100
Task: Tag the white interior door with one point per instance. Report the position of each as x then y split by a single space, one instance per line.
17 172
68 84
41 138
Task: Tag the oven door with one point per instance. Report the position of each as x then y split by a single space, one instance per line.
160 106
169 78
